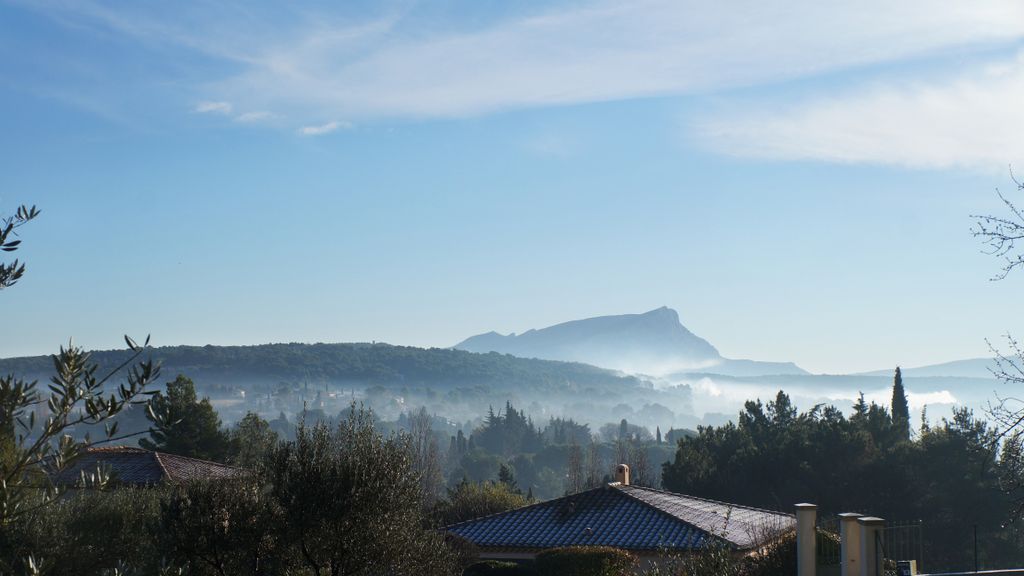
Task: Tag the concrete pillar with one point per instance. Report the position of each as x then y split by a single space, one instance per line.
849 544
806 540
870 556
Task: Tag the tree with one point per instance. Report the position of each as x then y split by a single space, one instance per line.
470 500
1000 235
900 408
251 441
189 427
35 426
225 527
426 454
11 272
351 502
574 478
508 478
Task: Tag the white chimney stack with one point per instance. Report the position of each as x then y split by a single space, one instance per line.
622 474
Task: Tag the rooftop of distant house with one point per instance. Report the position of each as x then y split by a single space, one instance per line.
129 465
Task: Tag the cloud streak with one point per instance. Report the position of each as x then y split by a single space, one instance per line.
607 51
322 129
258 116
970 120
310 67
214 108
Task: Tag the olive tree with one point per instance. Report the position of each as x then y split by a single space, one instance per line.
35 423
351 502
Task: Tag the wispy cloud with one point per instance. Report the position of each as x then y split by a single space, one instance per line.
969 120
311 66
257 116
607 51
323 128
214 108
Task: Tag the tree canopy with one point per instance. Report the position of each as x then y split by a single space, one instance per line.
191 426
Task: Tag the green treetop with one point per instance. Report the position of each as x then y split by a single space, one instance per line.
900 408
191 427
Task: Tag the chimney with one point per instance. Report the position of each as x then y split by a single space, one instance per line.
622 474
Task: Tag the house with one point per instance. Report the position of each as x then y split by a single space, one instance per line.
648 522
131 466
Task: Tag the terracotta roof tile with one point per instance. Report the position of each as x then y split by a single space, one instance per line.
137 466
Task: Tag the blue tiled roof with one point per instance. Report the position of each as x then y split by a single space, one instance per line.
628 517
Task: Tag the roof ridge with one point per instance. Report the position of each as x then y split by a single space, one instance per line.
199 460
113 448
711 500
619 487
167 473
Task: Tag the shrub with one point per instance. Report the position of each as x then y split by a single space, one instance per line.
775 557
585 561
470 500
90 532
778 556
220 527
716 560
495 568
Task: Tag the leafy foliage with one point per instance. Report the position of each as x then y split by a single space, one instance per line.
470 500
900 407
35 447
184 425
221 527
508 434
11 272
949 477
270 364
585 561
91 532
496 568
351 502
250 441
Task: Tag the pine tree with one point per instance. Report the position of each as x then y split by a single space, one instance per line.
657 437
192 427
900 408
508 478
860 410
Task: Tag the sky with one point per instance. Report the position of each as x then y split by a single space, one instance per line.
796 179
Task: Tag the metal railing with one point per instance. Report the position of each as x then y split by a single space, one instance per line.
900 540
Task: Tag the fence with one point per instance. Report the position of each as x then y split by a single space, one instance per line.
828 557
901 540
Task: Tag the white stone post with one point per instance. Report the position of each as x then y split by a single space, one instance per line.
870 559
849 544
806 528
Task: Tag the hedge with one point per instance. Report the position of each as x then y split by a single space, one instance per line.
585 561
496 568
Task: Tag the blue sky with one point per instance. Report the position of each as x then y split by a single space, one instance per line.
796 180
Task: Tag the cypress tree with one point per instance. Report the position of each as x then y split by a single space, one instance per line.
900 407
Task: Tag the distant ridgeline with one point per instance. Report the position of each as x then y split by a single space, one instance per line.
356 364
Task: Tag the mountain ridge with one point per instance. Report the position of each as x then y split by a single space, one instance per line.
653 342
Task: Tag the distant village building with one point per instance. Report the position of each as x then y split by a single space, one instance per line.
647 522
132 466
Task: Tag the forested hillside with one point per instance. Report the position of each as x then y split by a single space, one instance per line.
381 364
